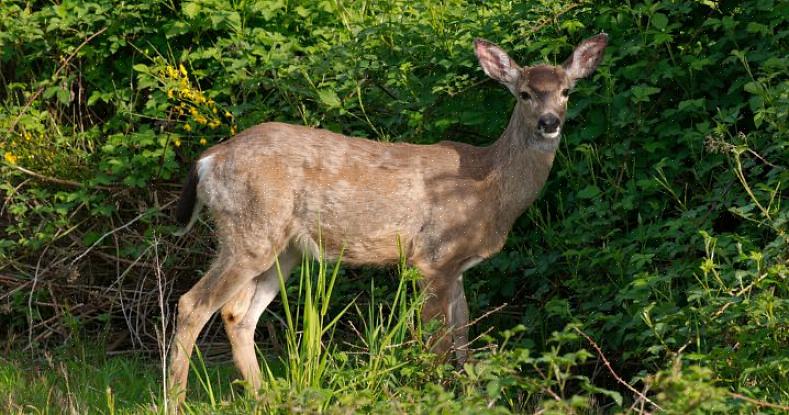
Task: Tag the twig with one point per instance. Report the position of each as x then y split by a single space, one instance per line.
477 320
758 402
611 370
57 72
165 318
56 180
547 388
119 228
484 316
554 18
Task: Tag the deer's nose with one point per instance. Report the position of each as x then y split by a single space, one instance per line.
548 123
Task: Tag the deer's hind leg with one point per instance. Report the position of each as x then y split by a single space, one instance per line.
241 315
228 275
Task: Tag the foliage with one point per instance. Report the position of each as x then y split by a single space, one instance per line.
661 232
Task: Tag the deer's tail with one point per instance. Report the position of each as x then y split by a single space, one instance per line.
188 205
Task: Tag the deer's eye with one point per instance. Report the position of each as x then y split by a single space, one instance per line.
525 95
565 92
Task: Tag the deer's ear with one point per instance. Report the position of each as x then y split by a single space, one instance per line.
497 64
586 57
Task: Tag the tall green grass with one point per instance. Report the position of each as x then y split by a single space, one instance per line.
380 364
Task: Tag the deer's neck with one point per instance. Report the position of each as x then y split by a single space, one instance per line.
523 161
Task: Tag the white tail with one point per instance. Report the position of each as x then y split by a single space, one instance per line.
451 204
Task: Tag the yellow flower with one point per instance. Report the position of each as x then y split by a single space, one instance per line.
200 119
171 72
193 111
182 69
214 123
187 127
203 141
228 114
10 158
170 93
28 136
177 142
233 130
214 110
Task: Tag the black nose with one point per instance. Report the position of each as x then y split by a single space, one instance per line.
548 123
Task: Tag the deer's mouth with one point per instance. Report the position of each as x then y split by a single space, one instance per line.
549 135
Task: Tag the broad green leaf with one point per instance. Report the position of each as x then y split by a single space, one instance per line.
588 192
329 98
659 20
191 9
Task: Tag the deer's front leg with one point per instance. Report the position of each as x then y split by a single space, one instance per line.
458 320
446 303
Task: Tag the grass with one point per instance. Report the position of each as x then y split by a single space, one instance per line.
315 375
382 367
381 364
78 381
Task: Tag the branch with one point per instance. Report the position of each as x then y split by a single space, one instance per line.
759 403
119 228
611 370
59 181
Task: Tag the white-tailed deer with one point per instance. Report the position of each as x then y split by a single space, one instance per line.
271 187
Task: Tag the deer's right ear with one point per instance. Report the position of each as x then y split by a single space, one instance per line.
586 57
497 64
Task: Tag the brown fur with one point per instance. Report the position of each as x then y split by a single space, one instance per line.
279 189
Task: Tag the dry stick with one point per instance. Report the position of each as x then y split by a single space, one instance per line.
547 388
57 72
477 320
611 370
82 255
487 313
119 228
758 402
30 298
162 339
56 180
639 402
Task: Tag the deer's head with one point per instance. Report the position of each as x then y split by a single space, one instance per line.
542 90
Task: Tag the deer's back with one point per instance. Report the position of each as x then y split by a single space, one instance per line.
285 181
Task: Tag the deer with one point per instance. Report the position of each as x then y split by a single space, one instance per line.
275 191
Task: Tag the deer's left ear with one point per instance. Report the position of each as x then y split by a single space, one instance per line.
586 57
497 64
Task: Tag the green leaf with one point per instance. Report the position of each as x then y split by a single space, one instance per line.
753 87
64 96
589 192
641 93
493 388
301 11
94 96
660 21
329 98
50 92
191 10
90 237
